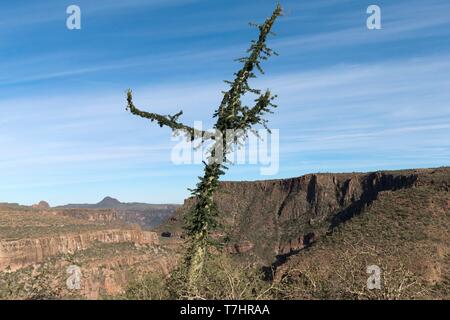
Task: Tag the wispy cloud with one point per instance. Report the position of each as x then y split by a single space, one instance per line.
50 11
400 22
348 99
345 107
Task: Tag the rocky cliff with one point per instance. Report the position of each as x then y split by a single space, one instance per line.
144 214
93 215
275 218
38 245
103 269
20 253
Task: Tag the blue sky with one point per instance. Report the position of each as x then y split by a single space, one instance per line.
350 99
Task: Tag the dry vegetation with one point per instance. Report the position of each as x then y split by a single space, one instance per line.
102 265
18 222
404 232
224 279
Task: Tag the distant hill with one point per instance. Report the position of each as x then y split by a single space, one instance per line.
112 203
145 214
8 204
109 202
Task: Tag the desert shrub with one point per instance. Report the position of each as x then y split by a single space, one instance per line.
343 275
149 287
223 278
29 284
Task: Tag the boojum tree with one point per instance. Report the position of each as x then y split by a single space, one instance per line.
232 115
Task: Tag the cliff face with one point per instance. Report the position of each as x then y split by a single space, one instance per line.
405 232
38 245
97 215
103 269
112 276
143 214
20 253
276 218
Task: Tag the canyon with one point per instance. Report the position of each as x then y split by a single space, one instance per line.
324 222
40 242
288 214
284 226
144 214
17 254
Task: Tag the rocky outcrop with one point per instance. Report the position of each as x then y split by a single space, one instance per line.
283 216
143 214
41 205
241 247
115 273
93 215
296 244
105 269
19 253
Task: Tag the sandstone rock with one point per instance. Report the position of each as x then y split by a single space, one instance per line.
297 244
41 205
19 253
241 247
93 215
276 215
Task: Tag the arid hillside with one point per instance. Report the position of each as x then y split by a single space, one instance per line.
399 220
37 244
313 236
144 214
406 233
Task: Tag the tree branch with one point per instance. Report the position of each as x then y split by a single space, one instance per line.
168 121
231 104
